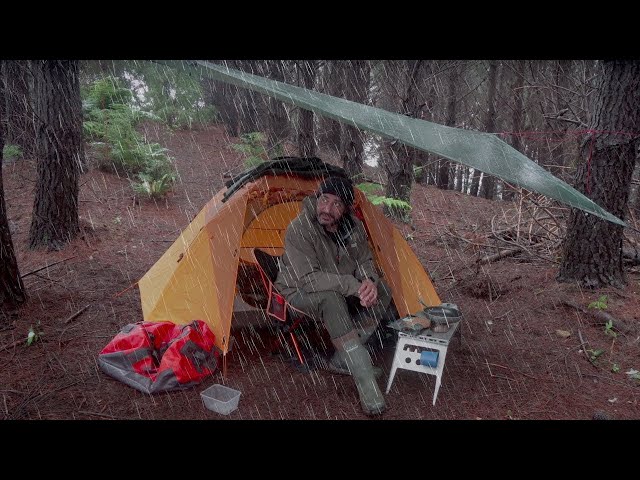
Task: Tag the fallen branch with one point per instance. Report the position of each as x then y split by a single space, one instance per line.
77 314
583 345
12 345
602 317
47 266
497 256
513 370
96 414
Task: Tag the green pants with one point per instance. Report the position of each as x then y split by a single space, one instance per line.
341 314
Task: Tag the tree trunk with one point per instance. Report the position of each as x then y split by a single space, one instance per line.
475 182
60 150
517 117
278 121
333 84
306 139
352 144
401 96
592 249
399 170
461 178
250 106
19 125
11 288
557 158
443 172
488 189
634 198
225 97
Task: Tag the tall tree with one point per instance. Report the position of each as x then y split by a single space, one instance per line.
488 182
517 117
252 109
356 88
19 125
60 150
306 139
225 97
592 249
278 121
400 94
331 77
12 291
443 171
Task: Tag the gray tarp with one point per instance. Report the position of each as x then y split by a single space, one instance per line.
479 150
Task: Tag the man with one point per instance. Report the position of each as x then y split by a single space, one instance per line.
327 270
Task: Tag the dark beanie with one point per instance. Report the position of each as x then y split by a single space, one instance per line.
338 186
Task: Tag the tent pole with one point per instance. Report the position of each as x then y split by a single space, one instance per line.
224 366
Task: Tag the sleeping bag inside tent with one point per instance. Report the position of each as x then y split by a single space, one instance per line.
211 261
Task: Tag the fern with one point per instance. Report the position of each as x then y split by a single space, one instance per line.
153 188
371 190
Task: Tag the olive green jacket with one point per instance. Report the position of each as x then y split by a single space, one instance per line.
313 262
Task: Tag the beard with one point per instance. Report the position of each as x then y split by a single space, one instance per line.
326 219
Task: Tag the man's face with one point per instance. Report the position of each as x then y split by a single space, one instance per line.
329 211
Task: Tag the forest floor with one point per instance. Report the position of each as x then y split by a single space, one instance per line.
524 353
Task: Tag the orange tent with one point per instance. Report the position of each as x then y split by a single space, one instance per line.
211 261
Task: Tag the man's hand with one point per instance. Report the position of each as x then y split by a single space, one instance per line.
368 293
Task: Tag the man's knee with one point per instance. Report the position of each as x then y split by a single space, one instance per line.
329 307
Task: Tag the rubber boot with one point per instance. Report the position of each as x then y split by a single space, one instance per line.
353 354
335 363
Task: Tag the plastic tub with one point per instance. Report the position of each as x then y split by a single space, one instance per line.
220 399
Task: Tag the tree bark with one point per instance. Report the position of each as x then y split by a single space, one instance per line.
306 138
225 96
278 128
488 189
443 171
592 249
250 105
19 124
333 84
401 95
558 157
517 116
60 150
352 143
12 291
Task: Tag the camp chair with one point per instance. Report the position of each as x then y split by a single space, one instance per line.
287 317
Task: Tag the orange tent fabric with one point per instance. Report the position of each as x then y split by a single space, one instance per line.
197 277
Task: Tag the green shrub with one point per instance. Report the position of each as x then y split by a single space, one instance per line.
252 145
104 93
181 118
11 152
372 192
158 175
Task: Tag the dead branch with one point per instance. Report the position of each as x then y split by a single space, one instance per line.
12 345
602 317
497 256
47 266
570 120
96 414
513 370
77 314
469 241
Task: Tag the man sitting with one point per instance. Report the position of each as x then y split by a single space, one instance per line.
328 271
